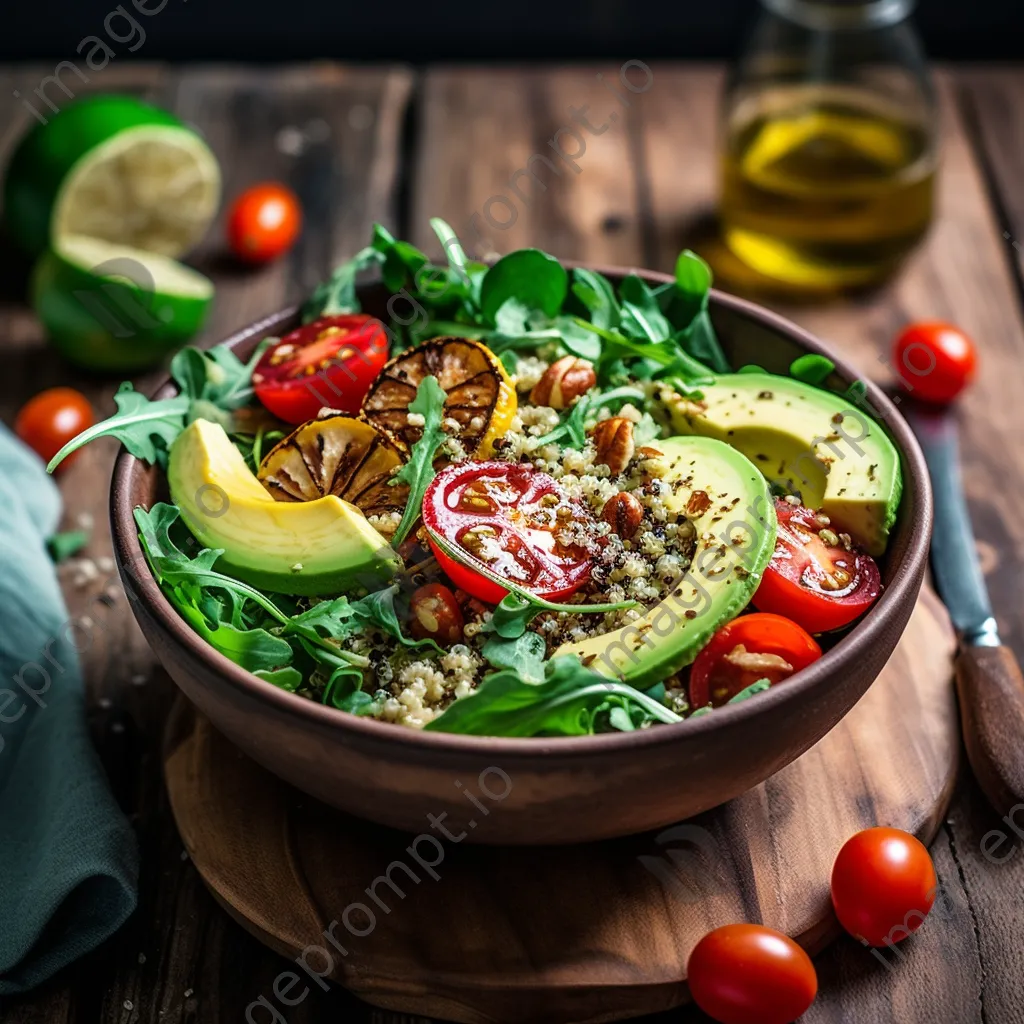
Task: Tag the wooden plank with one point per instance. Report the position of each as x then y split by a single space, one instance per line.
488 156
992 102
332 133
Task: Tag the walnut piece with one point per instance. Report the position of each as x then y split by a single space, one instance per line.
563 382
623 513
613 440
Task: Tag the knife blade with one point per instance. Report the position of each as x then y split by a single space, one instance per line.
955 563
989 683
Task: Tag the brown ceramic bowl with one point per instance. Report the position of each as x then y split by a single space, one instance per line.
541 790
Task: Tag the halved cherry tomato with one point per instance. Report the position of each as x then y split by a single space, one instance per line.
749 974
52 418
329 362
820 586
883 885
752 647
264 222
513 520
934 361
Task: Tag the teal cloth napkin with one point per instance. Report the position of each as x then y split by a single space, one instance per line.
68 857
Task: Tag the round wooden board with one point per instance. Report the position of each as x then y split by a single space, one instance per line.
581 933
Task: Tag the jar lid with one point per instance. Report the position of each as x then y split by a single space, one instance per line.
834 15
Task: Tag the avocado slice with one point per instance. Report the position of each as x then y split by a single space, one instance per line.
815 443
731 507
319 547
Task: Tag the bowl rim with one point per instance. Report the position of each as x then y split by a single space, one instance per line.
798 688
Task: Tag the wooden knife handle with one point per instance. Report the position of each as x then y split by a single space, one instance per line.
991 691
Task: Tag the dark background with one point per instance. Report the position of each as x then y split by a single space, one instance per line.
421 31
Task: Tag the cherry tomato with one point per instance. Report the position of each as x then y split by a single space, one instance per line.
47 422
934 361
749 974
436 614
883 885
512 520
329 362
752 647
819 585
264 222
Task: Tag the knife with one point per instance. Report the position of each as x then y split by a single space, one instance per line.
989 683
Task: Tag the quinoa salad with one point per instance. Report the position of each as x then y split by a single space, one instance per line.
523 501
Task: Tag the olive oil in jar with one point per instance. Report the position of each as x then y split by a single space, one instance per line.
824 188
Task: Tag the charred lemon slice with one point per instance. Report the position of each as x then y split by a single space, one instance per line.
480 395
336 455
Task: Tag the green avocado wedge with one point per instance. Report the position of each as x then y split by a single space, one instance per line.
812 442
321 547
730 505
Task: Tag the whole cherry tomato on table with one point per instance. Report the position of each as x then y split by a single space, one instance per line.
935 361
752 647
883 885
264 222
749 974
818 584
52 418
510 520
329 362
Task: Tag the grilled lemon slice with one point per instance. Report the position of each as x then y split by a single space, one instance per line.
336 455
480 395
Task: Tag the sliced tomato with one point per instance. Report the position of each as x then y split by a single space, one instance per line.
513 521
330 363
819 585
752 647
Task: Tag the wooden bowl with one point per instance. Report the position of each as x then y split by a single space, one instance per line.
539 791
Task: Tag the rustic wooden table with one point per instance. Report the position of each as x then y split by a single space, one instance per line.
389 144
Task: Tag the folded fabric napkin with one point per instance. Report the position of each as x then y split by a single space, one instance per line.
68 855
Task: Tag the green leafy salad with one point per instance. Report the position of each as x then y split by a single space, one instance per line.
511 500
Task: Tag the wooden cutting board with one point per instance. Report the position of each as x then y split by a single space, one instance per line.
593 932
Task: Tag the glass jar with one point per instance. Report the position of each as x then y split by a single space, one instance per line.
830 143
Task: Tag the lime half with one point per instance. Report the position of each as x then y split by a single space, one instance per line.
116 169
114 308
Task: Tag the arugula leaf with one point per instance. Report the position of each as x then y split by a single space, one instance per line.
338 293
597 296
574 424
146 428
642 318
811 368
402 260
533 277
523 654
419 470
216 377
288 678
253 649
667 354
856 393
334 618
687 308
759 687
378 609
569 702
62 546
458 272
356 703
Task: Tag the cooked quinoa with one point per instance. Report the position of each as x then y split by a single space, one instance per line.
412 687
